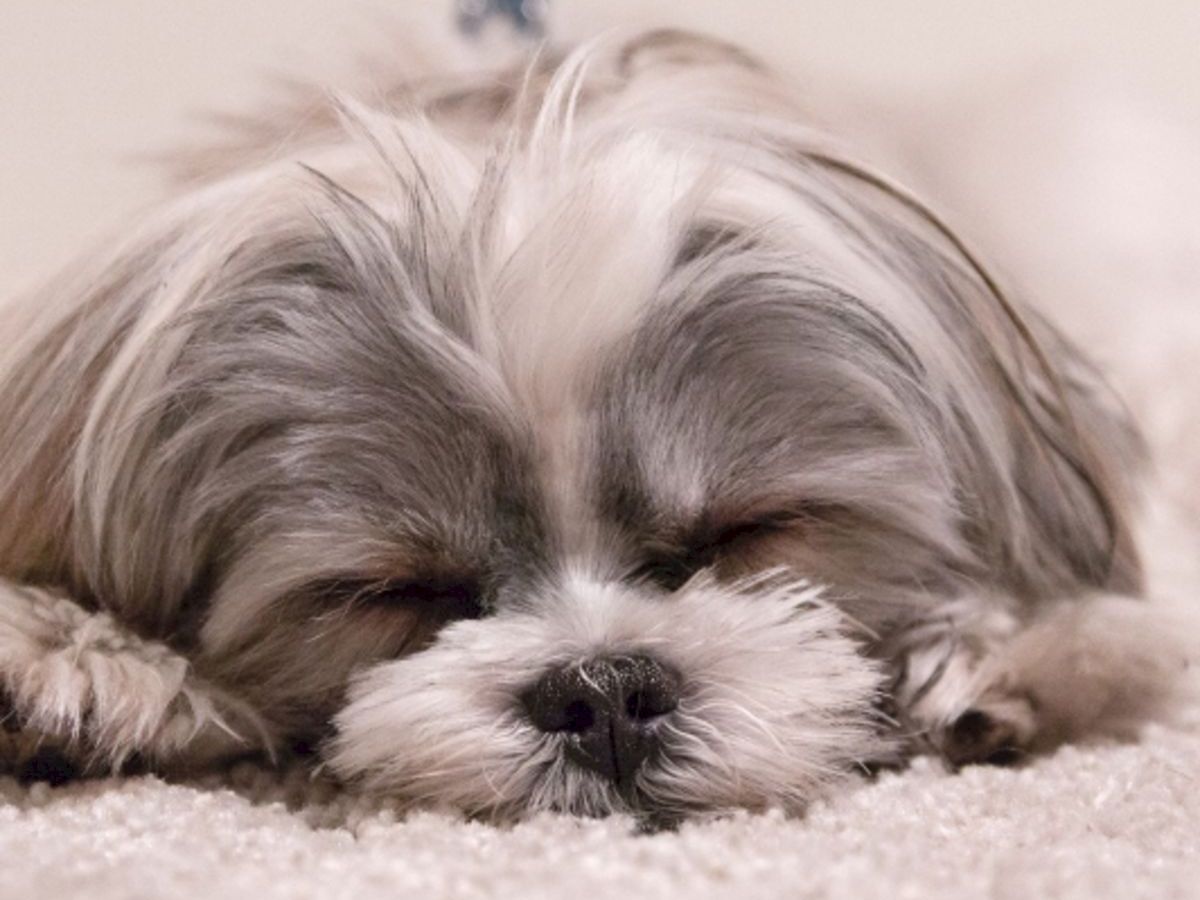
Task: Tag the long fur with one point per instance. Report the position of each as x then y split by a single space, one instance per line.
578 351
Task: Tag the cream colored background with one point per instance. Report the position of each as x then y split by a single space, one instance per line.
88 87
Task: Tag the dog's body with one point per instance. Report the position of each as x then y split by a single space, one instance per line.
590 437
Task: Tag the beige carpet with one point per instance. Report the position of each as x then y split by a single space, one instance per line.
1100 822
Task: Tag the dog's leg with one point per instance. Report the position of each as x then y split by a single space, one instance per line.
989 688
79 694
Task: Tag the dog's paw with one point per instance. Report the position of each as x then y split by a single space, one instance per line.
995 733
29 756
1093 668
78 692
956 702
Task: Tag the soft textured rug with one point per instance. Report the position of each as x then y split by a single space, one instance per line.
1119 821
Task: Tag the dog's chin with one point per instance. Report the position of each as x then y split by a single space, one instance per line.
776 704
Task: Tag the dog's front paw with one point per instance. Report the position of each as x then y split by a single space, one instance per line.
80 693
1095 667
956 702
30 756
998 732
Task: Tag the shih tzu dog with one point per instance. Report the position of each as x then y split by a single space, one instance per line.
594 436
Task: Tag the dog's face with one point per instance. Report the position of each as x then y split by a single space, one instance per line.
577 468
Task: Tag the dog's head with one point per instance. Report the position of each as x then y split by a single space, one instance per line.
577 443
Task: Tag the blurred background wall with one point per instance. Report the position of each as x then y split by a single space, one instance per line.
87 88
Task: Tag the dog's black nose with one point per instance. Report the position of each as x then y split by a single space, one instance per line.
608 710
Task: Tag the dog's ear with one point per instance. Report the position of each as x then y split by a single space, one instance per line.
1074 455
1045 456
82 395
1077 454
59 341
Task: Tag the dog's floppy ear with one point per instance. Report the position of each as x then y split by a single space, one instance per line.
1051 508
1077 453
60 339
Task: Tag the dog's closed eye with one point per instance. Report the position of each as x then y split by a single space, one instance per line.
670 565
441 598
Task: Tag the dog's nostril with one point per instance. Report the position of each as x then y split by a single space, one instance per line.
578 717
642 706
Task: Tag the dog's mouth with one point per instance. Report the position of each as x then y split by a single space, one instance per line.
626 796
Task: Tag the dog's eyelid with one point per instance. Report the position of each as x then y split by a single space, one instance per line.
666 572
757 525
445 597
730 530
673 566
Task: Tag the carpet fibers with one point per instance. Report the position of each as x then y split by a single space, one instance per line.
1119 821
